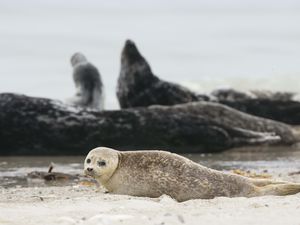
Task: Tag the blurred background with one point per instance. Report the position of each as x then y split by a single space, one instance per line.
203 44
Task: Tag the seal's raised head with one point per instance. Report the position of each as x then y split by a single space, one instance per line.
101 163
131 53
77 58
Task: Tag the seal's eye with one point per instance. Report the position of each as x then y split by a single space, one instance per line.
101 163
88 161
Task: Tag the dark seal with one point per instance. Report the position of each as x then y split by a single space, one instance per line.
138 86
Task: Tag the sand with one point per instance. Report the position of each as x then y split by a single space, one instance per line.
89 205
84 203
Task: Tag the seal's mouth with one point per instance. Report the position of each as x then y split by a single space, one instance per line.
89 173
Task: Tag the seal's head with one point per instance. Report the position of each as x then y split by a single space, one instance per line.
77 58
101 163
130 53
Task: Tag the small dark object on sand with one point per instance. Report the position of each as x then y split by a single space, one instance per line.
294 173
52 176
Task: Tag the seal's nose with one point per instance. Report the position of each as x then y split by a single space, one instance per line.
129 42
89 169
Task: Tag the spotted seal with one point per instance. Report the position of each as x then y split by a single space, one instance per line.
154 173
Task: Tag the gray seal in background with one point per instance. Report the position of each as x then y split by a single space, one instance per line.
88 83
138 86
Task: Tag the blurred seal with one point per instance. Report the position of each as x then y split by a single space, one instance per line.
88 84
138 86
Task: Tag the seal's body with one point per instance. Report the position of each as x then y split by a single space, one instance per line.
88 84
138 86
154 173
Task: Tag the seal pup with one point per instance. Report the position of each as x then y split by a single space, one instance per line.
138 86
88 84
154 173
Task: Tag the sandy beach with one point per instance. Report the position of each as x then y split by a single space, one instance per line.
81 204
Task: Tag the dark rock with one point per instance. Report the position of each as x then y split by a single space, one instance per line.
230 95
278 106
284 111
38 126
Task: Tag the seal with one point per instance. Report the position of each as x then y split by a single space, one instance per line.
88 83
138 86
154 173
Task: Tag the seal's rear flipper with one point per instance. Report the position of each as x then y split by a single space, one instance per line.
250 137
280 189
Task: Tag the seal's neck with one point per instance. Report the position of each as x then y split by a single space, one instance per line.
105 180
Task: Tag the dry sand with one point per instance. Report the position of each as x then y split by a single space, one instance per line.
87 205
